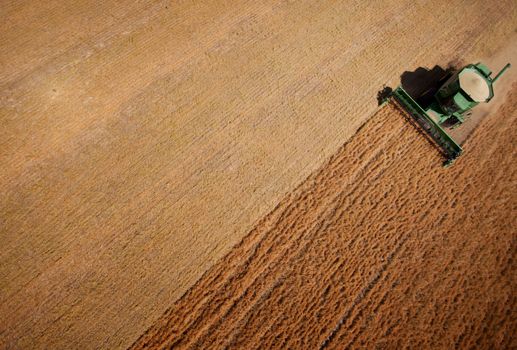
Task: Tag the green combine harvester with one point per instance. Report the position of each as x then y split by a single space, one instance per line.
464 90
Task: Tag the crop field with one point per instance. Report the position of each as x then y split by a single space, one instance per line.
220 174
381 247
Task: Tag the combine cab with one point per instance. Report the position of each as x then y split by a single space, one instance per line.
464 90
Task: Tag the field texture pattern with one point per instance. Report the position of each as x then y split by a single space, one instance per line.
141 140
381 248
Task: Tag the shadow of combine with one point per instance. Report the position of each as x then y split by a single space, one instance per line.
383 94
421 84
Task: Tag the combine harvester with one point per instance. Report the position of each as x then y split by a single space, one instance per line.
464 90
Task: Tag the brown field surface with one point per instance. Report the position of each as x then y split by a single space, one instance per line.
380 248
141 140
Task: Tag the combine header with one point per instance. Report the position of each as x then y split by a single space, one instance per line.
464 90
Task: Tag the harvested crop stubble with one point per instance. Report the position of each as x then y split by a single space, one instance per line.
141 140
381 247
